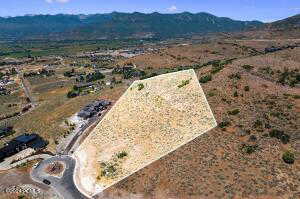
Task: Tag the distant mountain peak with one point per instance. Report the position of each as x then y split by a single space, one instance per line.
117 24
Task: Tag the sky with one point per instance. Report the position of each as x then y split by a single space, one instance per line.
263 10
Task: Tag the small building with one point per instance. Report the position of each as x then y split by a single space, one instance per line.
105 103
21 143
93 108
25 138
6 131
85 114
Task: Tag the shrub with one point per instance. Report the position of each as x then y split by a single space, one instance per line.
122 154
296 96
275 114
184 83
235 76
94 77
75 88
1 75
289 106
284 138
246 88
252 138
234 112
108 169
249 148
211 94
217 68
248 67
267 70
288 157
235 94
73 93
148 76
289 77
205 79
257 124
276 133
141 86
70 73
224 124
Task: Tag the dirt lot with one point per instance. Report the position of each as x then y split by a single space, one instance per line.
153 117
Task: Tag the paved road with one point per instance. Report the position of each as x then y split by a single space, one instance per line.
65 185
80 132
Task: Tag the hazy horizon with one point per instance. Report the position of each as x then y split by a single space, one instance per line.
116 12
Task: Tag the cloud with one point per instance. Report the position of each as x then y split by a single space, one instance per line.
172 9
57 1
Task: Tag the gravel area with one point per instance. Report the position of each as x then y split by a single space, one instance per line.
29 190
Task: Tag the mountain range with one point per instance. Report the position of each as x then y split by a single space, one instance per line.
117 25
288 23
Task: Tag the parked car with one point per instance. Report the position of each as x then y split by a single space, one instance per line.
47 182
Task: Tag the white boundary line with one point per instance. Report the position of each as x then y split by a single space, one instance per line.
160 157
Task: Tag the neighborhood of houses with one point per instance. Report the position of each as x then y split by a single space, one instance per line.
5 80
16 148
127 53
15 74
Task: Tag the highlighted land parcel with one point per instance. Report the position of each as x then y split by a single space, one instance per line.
153 118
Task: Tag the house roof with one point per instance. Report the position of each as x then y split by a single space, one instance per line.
25 138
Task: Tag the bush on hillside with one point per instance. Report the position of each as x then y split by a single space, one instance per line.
246 88
234 112
248 67
283 137
288 157
205 79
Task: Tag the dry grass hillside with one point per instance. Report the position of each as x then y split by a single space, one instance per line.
187 55
258 110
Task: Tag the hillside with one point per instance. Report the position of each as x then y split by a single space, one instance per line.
288 28
288 23
257 109
117 25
